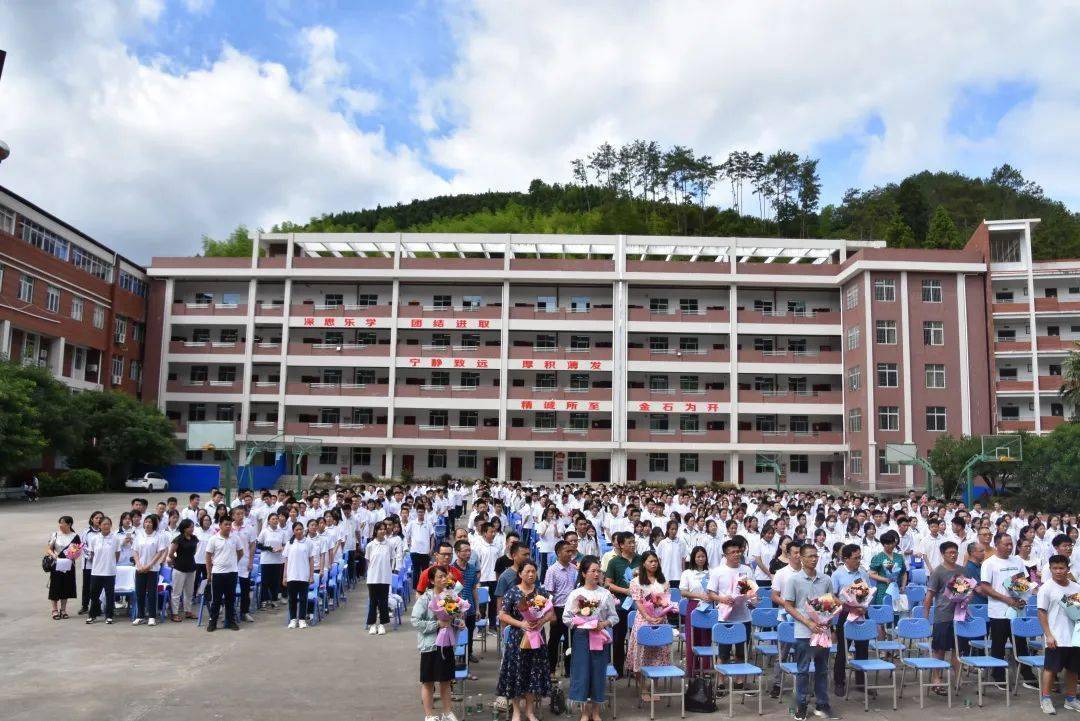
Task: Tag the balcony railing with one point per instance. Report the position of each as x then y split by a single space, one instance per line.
677 395
441 351
269 308
1043 342
1050 383
676 355
561 394
570 314
321 430
1016 425
801 437
262 428
559 434
404 390
705 315
1055 305
226 309
204 386
340 310
815 316
789 356
482 433
265 387
188 346
1005 346
648 435
1015 385
1010 307
1049 423
449 311
1053 342
790 396
542 354
340 349
301 388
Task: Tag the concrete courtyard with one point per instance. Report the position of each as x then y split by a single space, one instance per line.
68 671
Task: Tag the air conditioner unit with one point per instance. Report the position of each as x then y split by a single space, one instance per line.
91 369
116 380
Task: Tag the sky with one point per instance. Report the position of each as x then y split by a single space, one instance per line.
149 123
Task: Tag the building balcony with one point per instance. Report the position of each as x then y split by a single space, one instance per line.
1010 307
355 261
336 389
262 428
350 430
447 351
708 315
822 316
791 396
1051 383
600 435
1053 305
202 347
458 433
800 438
563 265
1015 385
1049 423
269 309
645 435
677 266
1012 346
679 396
1016 424
404 390
559 394
542 354
181 426
445 263
222 309
1053 342
342 310
265 387
456 311
788 356
532 313
340 349
713 355
204 386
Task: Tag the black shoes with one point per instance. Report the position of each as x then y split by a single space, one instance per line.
774 692
211 627
799 714
232 627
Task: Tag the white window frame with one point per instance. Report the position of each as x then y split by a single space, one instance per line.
937 419
851 298
658 463
885 332
77 306
855 420
855 458
931 291
52 299
854 378
888 418
99 316
934 332
26 288
885 291
931 372
888 375
853 338
884 467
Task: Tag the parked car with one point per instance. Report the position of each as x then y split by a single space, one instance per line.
148 482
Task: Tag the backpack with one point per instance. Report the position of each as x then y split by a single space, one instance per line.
699 696
558 700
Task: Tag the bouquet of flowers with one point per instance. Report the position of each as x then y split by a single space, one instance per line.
822 610
743 591
658 605
959 591
856 597
533 609
448 606
73 551
586 619
1021 587
1071 604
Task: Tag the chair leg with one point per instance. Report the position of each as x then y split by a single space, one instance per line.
731 696
948 680
894 701
760 691
652 698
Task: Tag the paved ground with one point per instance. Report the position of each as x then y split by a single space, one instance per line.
68 671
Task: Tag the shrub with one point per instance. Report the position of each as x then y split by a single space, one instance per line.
84 480
49 485
366 477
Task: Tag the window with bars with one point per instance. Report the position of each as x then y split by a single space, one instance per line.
467 459
658 463
885 291
688 463
885 332
931 291
935 418
851 298
798 463
935 375
361 456
888 418
543 460
328 456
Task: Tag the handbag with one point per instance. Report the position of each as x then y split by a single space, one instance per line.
48 563
558 700
699 697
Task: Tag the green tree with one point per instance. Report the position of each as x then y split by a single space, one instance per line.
21 439
943 232
121 431
948 457
1049 475
55 419
898 234
236 245
1070 382
912 206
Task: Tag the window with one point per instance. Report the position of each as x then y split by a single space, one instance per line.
658 305
853 337
7 220
689 423
544 419
689 384
933 332
856 462
91 264
466 459
885 290
688 305
133 285
765 424
851 298
226 374
931 291
579 381
543 460
799 463
578 421
79 359
888 418
436 458
1010 412
854 420
138 332
441 301
575 464
225 412
1057 410
545 381
888 376
658 344
470 379
329 416
361 456
1008 374
52 299
120 329
799 424
885 332
1055 369
117 369
884 467
1005 250
546 304
47 240
26 289
796 307
658 421
764 384
935 375
471 301
438 418
328 456
580 342
366 300
763 463
438 340
688 463
765 307
197 412
580 304
764 345
198 374
854 377
468 419
1003 296
658 463
99 316
334 300
76 308
935 418
545 341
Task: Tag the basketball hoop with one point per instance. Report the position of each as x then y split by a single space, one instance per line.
208 446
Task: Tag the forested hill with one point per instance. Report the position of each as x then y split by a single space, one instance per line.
642 189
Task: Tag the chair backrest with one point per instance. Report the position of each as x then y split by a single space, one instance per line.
918 575
785 632
125 579
764 617
462 638
726 634
918 610
1026 627
656 636
971 628
165 574
882 614
861 630
631 618
979 610
684 603
676 595
482 594
766 602
703 618
915 593
914 628
764 592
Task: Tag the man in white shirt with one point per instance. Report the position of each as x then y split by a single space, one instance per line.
671 551
1060 655
420 541
191 511
779 581
722 589
222 557
995 576
929 548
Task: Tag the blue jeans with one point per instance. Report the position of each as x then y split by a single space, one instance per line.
588 670
804 654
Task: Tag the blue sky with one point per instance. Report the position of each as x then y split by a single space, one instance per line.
209 113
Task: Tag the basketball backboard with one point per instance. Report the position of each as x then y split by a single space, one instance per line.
904 453
211 436
1004 448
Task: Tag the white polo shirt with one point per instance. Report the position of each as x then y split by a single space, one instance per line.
222 552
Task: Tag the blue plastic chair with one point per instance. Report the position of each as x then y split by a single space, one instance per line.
660 637
313 598
703 618
915 594
918 576
918 631
730 634
785 634
974 629
461 664
164 590
866 630
763 622
483 598
883 615
1028 628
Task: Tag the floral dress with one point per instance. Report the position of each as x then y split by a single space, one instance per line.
523 670
638 656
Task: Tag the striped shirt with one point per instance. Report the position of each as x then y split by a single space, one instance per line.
469 577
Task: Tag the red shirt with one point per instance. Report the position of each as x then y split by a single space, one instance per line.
425 577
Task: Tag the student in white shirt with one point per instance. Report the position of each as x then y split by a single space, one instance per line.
271 541
996 573
299 554
149 548
222 556
378 581
104 548
1060 653
672 554
243 531
420 540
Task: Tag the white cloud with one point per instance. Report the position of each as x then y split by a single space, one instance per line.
146 159
326 77
198 7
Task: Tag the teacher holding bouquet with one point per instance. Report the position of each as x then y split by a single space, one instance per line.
590 612
524 675
64 548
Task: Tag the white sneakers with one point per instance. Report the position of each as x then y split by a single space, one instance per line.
152 622
372 630
138 622
1073 705
303 624
382 632
1047 706
449 717
249 618
292 623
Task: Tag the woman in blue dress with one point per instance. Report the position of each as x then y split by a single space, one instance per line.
524 675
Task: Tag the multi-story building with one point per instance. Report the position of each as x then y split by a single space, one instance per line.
68 302
621 357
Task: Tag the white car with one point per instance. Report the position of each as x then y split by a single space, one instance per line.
148 482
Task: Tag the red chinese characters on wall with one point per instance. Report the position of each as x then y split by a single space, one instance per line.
330 322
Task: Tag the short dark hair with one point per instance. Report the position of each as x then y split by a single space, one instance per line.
1060 539
1058 560
560 546
948 546
849 550
729 544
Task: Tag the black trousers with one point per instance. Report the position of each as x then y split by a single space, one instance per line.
271 581
739 649
146 594
361 561
245 595
351 564
297 591
99 585
378 601
86 582
223 593
470 625
492 616
862 652
420 563
1000 630
618 638
557 634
